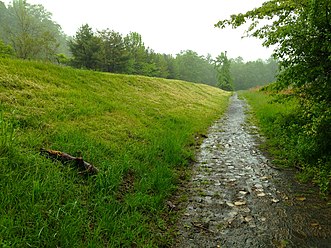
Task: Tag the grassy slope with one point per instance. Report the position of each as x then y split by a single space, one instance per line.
138 131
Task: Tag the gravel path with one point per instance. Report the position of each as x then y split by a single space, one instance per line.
236 199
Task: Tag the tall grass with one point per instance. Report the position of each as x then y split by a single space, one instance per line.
138 131
7 135
287 138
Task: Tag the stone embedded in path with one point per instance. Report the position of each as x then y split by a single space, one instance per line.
248 218
261 194
239 203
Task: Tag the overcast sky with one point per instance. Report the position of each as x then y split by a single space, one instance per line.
166 26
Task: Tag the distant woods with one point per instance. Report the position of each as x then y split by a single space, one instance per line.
109 51
27 31
250 74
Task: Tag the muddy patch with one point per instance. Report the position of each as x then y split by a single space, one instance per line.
237 199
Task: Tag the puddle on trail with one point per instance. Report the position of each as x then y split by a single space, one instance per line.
236 199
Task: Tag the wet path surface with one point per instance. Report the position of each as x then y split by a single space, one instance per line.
236 199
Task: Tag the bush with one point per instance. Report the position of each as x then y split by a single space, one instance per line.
5 50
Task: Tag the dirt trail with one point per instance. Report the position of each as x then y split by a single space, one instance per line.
236 199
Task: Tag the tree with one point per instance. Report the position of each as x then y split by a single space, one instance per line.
30 30
137 53
252 73
159 65
195 68
301 32
171 65
86 48
3 19
114 53
222 65
301 29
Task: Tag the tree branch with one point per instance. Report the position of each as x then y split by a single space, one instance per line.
64 157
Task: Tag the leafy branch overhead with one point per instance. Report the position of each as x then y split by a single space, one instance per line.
276 16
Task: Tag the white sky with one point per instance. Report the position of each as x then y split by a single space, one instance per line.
166 26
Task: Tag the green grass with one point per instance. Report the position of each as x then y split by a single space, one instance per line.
139 131
271 117
288 141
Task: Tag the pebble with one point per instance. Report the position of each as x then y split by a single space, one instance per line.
208 200
248 218
239 203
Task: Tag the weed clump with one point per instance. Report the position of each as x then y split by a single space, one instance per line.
7 136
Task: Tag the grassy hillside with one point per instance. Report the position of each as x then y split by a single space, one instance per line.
138 131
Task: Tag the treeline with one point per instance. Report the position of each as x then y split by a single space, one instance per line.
27 31
110 51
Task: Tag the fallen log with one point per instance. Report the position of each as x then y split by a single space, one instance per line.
82 165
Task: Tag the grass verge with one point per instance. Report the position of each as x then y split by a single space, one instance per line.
288 141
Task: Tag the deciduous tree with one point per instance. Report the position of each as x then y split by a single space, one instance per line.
250 74
30 30
301 32
195 68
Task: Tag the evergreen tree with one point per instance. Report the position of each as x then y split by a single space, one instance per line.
224 79
137 53
86 48
114 55
171 65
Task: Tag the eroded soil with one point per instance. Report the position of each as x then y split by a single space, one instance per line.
237 199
